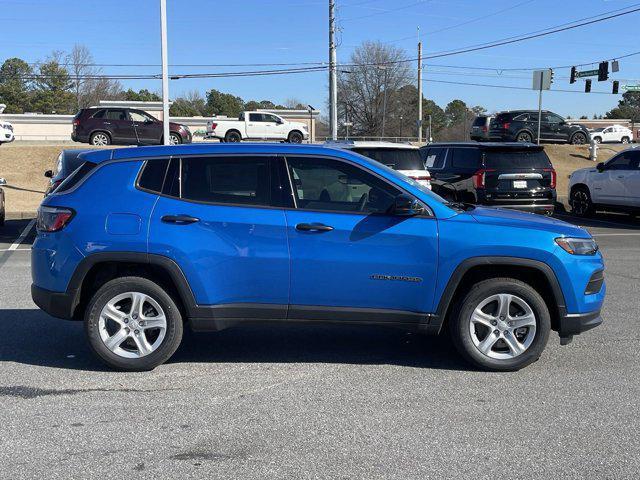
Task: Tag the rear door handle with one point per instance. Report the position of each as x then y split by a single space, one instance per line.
313 227
179 219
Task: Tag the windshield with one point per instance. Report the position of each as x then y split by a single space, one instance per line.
516 159
397 158
397 175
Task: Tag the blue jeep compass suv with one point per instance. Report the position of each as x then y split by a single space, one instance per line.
140 242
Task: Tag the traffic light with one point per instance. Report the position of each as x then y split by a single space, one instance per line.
573 75
616 87
587 86
603 71
550 76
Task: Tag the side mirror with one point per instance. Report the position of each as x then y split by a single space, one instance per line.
48 174
600 167
2 181
406 206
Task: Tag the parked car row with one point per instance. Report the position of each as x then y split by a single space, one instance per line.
207 236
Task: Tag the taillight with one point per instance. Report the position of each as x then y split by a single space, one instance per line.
554 176
479 178
53 219
424 180
484 129
76 122
506 125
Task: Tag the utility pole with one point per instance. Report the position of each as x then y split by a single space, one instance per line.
165 73
419 88
384 100
333 81
540 106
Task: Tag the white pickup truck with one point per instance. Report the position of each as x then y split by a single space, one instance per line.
257 126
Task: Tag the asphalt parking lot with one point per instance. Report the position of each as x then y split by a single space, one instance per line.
320 402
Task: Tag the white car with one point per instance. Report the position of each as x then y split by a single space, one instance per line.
257 126
614 133
611 186
403 157
6 132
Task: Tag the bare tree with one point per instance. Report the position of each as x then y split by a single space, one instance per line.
89 89
374 67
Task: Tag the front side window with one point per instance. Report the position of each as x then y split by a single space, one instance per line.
552 118
625 161
140 116
232 180
99 114
332 185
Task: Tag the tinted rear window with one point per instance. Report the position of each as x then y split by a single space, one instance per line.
396 158
75 178
480 121
152 175
516 159
466 158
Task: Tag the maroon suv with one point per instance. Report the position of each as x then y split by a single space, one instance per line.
126 126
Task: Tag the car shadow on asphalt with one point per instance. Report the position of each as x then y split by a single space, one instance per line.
35 338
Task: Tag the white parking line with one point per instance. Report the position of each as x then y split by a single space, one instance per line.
15 250
22 236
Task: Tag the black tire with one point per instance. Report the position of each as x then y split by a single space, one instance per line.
233 137
580 201
578 138
175 139
597 140
295 137
459 326
174 324
625 140
100 139
524 137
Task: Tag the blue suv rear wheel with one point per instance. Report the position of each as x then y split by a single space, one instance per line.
133 324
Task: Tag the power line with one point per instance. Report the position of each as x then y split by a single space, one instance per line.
385 11
509 87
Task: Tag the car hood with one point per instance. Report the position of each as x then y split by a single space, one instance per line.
514 218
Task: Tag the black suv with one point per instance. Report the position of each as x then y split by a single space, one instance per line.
522 126
125 126
510 175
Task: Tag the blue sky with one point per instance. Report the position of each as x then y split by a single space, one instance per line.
274 31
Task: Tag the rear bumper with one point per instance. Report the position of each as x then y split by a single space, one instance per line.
56 304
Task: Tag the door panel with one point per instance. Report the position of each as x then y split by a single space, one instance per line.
230 254
117 122
148 130
369 261
612 185
346 251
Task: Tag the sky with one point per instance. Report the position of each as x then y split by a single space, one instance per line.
295 31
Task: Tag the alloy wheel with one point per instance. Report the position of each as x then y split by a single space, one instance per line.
100 139
580 202
502 326
132 325
524 137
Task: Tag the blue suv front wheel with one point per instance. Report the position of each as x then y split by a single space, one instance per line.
133 324
501 324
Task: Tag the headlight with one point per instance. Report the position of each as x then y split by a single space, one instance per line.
578 246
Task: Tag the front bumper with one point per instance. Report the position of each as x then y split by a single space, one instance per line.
571 324
56 304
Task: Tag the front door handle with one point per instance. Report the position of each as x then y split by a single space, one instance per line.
179 219
313 227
